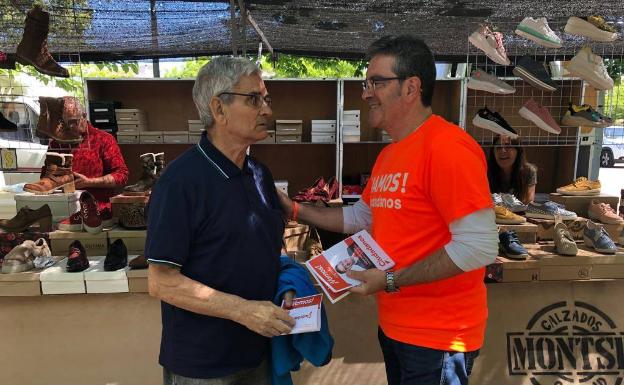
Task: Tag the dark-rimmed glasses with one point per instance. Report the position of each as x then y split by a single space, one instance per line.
373 83
255 99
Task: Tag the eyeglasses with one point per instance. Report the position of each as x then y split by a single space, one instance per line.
255 99
373 83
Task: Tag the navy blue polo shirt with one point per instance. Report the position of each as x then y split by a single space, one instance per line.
223 227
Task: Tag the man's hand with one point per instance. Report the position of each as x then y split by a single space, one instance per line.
266 319
373 281
81 181
286 203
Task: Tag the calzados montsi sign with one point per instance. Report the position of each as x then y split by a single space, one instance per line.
565 344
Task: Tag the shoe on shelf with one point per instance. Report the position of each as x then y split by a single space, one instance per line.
505 217
581 186
564 242
117 256
593 27
549 210
71 223
497 199
540 116
510 246
148 176
76 258
590 67
512 203
494 122
537 30
139 262
27 217
33 48
596 237
534 73
586 116
58 175
621 240
491 43
603 212
91 218
27 256
483 81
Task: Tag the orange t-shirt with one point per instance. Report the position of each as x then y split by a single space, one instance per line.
418 186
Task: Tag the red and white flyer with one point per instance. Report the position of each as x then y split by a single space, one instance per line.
307 313
358 252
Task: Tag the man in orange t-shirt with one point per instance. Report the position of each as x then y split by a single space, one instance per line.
428 206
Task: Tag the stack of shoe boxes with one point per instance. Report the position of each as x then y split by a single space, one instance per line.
132 123
323 131
351 126
288 131
195 128
102 115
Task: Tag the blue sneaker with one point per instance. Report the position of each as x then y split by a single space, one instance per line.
597 238
511 247
548 210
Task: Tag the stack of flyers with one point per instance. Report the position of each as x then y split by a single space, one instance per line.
358 252
307 313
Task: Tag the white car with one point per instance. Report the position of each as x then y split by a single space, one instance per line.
30 150
612 146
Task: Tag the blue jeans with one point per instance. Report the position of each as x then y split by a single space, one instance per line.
415 365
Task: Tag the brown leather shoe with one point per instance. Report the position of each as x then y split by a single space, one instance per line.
33 48
139 262
26 217
51 124
56 176
148 177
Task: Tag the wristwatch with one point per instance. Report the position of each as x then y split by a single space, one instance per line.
391 286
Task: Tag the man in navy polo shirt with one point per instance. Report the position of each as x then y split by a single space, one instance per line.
214 237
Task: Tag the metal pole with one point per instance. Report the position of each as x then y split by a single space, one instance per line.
154 30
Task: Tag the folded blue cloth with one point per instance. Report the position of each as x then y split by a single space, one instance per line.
287 352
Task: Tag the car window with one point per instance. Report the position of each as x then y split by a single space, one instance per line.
23 117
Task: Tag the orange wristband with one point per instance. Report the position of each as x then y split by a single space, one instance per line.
295 211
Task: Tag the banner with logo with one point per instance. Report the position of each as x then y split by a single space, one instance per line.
553 333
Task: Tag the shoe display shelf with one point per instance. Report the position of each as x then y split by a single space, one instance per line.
56 280
526 232
544 264
97 280
62 205
580 204
94 244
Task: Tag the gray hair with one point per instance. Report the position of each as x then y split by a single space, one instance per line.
219 75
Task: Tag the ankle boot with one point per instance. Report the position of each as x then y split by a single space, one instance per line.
26 217
6 125
56 176
160 163
51 124
148 178
33 49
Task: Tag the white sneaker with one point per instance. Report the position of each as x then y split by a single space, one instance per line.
483 81
590 68
491 43
593 27
538 31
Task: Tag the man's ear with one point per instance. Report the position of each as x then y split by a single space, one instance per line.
414 86
217 108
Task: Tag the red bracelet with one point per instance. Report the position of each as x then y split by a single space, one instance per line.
295 211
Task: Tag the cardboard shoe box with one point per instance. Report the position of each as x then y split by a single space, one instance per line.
24 284
130 115
270 139
94 244
526 232
175 137
62 205
285 139
289 127
133 239
137 279
56 280
150 137
323 126
580 204
125 138
97 280
324 137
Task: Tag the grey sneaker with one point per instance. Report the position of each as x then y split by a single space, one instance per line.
549 210
564 242
496 198
597 238
483 81
513 203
